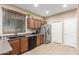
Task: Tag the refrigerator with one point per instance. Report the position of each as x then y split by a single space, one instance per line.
48 34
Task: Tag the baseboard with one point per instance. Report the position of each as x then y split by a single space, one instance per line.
57 42
70 46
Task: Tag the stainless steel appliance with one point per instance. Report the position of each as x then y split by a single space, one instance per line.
46 32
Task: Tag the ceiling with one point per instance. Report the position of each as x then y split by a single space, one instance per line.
42 8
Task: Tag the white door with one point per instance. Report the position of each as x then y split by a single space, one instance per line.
56 32
70 32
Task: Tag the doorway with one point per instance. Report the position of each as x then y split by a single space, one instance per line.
56 30
65 32
70 32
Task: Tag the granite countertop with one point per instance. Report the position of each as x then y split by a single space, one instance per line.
20 35
28 35
5 46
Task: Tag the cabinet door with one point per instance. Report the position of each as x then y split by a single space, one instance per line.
57 32
42 39
70 32
38 41
24 44
30 23
39 26
15 43
36 23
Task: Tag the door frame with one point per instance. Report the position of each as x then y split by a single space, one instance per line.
62 44
62 32
76 34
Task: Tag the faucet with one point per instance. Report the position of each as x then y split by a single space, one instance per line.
16 33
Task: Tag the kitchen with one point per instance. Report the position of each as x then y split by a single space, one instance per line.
21 29
20 39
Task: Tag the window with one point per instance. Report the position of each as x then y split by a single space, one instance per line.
20 23
13 22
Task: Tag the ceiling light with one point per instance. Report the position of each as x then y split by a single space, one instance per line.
47 12
64 6
35 5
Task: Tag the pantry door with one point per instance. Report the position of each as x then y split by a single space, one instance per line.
70 32
56 32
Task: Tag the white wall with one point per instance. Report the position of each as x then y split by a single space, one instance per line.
18 10
63 16
1 20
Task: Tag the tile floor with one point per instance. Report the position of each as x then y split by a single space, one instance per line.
51 49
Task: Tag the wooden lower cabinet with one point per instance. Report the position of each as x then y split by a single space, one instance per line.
15 44
20 45
42 39
38 40
24 44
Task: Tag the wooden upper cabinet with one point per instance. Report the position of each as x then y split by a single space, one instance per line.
30 23
15 44
24 44
39 26
36 23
